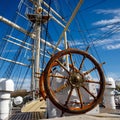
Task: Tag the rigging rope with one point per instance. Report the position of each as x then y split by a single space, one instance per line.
18 78
11 66
23 81
46 34
94 5
4 44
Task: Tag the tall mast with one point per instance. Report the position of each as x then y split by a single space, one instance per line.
37 43
36 18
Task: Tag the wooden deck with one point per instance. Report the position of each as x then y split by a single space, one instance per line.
34 110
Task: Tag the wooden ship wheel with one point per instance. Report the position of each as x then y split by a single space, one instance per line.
66 83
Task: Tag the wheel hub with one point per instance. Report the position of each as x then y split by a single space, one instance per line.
76 79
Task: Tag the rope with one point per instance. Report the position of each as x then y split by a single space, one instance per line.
46 34
11 66
23 81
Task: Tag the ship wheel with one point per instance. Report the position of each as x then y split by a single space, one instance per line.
67 86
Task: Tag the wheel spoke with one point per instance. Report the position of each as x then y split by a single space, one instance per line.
62 66
62 113
89 92
89 71
61 87
58 76
82 62
80 97
69 95
71 61
91 81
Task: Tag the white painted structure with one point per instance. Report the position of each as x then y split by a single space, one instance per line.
6 86
109 99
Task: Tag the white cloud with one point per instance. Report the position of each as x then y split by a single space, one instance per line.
114 13
76 43
109 44
113 75
108 11
113 47
113 40
111 26
108 27
102 42
72 43
106 21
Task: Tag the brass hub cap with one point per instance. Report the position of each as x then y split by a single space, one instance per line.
76 79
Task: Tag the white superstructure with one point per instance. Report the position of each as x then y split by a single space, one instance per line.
6 86
109 99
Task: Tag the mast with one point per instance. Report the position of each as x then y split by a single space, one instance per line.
37 43
36 18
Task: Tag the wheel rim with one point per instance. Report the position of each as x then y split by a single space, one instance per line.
41 86
74 81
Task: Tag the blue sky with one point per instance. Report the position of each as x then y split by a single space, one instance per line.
105 16
108 48
99 23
